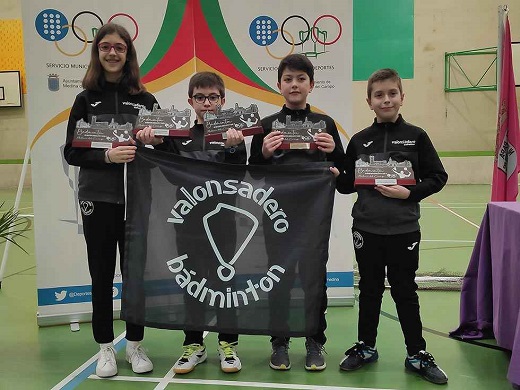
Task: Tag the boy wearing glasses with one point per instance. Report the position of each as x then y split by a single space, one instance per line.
206 92
295 82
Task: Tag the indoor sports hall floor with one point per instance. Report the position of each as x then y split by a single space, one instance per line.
55 357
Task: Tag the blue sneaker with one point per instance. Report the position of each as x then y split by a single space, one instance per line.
357 356
424 364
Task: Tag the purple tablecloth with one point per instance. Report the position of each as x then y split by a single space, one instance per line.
490 296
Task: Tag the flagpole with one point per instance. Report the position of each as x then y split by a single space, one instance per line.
503 11
502 14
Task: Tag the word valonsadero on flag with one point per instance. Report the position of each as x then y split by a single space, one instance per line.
224 247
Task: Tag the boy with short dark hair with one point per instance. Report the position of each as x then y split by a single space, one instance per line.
206 91
295 82
385 231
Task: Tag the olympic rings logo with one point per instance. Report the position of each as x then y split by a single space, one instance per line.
264 31
52 25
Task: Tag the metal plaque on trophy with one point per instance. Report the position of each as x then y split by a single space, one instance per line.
299 134
165 121
371 171
101 135
218 123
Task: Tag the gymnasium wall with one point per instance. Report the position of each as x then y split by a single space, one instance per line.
461 124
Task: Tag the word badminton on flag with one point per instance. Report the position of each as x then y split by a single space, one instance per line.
223 247
507 152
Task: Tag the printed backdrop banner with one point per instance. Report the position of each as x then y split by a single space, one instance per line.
224 247
242 41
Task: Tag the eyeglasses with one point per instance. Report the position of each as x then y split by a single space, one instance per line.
106 47
201 99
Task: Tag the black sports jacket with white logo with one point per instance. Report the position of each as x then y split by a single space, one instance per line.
99 181
373 212
294 156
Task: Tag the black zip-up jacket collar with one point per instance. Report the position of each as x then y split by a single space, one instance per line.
296 113
389 125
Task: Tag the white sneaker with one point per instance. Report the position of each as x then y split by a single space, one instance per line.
193 354
137 357
106 364
229 361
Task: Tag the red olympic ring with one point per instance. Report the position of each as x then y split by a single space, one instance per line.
129 17
316 22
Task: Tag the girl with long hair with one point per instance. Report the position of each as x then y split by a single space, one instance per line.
112 91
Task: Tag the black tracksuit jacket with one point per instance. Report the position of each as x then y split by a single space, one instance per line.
196 147
373 212
285 156
99 181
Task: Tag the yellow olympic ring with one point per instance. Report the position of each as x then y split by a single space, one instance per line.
84 43
290 51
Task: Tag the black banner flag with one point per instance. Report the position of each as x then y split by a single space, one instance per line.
223 247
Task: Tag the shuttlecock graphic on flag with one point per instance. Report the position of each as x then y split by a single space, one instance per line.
225 270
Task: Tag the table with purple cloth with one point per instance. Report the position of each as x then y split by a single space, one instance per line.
490 296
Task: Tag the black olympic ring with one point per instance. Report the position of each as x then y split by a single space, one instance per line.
308 30
74 20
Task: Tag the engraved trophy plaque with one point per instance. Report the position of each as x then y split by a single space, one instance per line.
299 134
245 119
167 122
101 135
371 171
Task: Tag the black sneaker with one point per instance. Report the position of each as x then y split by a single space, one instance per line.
357 356
314 361
280 355
424 364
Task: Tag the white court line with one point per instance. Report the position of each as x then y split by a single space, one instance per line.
165 380
122 378
466 203
210 382
271 385
451 241
455 207
454 213
81 368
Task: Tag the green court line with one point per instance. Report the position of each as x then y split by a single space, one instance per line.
469 153
12 161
